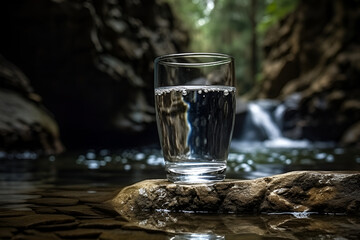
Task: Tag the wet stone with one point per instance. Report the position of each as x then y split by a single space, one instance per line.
54 201
77 210
271 226
87 196
101 223
35 235
126 235
107 209
7 232
13 213
302 191
35 220
79 233
44 210
59 226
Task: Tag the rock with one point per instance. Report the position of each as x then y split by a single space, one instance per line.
320 62
81 194
10 213
277 226
351 136
125 235
92 63
35 235
6 233
35 220
77 210
54 201
25 124
302 191
57 226
101 223
79 233
15 224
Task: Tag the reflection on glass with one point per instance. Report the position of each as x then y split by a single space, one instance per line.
197 236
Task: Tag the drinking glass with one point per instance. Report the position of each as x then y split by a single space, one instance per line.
195 112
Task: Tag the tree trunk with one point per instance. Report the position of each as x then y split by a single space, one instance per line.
253 57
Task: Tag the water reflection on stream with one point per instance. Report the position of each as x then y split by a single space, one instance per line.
33 185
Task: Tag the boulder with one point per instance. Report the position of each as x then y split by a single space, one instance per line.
300 191
25 124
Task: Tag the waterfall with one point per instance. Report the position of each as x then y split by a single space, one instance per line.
263 126
263 121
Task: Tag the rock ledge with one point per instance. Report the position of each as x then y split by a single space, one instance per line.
301 191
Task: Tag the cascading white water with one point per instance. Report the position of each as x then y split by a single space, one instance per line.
263 120
262 126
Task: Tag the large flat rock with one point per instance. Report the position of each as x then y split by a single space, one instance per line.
301 191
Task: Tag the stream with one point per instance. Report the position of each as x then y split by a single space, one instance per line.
62 197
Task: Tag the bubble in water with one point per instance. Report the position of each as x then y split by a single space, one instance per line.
226 92
184 92
104 152
93 164
139 156
205 90
199 91
320 155
246 167
330 158
240 158
90 155
339 151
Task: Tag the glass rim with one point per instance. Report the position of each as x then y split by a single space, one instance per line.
216 59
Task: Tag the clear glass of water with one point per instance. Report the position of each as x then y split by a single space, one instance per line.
195 112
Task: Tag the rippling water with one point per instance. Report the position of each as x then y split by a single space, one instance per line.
25 177
123 167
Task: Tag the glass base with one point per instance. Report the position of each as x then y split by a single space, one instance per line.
195 173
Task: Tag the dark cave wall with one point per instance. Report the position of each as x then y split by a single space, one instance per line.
92 63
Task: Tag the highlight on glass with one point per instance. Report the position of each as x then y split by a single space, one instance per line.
195 110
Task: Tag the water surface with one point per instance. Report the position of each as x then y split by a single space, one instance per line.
62 197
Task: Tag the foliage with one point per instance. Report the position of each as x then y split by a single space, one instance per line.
226 26
276 10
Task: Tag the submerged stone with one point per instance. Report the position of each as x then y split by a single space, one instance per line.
301 191
35 220
77 210
54 201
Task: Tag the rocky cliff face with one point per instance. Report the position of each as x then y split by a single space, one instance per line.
92 62
314 55
24 122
